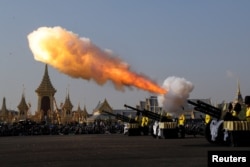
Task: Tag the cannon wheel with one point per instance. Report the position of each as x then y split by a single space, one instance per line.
220 136
208 133
156 133
233 140
152 132
131 132
182 131
144 131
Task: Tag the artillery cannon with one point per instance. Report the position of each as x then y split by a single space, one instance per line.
131 126
163 126
150 114
228 130
121 117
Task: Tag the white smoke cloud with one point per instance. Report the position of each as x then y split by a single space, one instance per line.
178 92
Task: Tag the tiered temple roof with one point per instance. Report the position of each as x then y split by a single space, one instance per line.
67 103
46 85
23 105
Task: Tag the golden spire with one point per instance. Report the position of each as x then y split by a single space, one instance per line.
46 85
4 108
23 105
67 104
238 93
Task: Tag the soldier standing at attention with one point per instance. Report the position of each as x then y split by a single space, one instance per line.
207 118
144 121
181 123
247 102
230 107
236 111
181 120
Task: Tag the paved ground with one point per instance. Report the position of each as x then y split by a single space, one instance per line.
105 150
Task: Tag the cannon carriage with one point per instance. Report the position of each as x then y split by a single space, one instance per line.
131 126
163 126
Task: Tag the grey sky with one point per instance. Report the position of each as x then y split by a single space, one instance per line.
206 42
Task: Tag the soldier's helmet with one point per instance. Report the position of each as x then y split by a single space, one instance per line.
247 100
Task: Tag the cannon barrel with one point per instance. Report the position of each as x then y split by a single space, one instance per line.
109 113
208 105
121 117
150 114
206 108
136 109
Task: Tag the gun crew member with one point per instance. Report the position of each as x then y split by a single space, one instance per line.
236 111
181 120
247 102
207 118
144 121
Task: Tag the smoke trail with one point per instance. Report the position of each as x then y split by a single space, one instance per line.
79 58
178 92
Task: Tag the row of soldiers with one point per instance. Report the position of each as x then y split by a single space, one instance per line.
247 102
233 111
